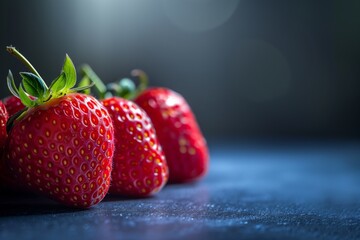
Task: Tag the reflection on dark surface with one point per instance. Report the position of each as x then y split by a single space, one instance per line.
267 190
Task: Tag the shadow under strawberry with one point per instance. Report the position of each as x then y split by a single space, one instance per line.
119 198
30 204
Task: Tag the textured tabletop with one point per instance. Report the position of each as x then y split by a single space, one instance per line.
257 190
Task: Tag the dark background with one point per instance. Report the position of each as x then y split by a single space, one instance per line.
248 68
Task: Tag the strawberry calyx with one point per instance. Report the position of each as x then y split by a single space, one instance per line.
124 88
33 90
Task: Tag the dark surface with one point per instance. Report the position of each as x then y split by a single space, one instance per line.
300 190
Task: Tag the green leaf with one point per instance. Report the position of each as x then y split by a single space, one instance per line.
127 87
58 84
33 85
70 72
25 98
114 87
85 81
11 84
82 88
99 85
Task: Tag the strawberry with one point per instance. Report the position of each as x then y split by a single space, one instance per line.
13 105
139 165
7 181
5 176
178 132
176 127
62 145
3 119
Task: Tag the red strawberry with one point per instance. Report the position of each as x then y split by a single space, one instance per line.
62 146
176 127
3 119
139 166
4 172
13 105
5 176
178 132
7 180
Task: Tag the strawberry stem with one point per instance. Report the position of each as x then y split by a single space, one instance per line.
143 81
18 55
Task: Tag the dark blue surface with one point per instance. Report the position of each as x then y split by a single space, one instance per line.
297 190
